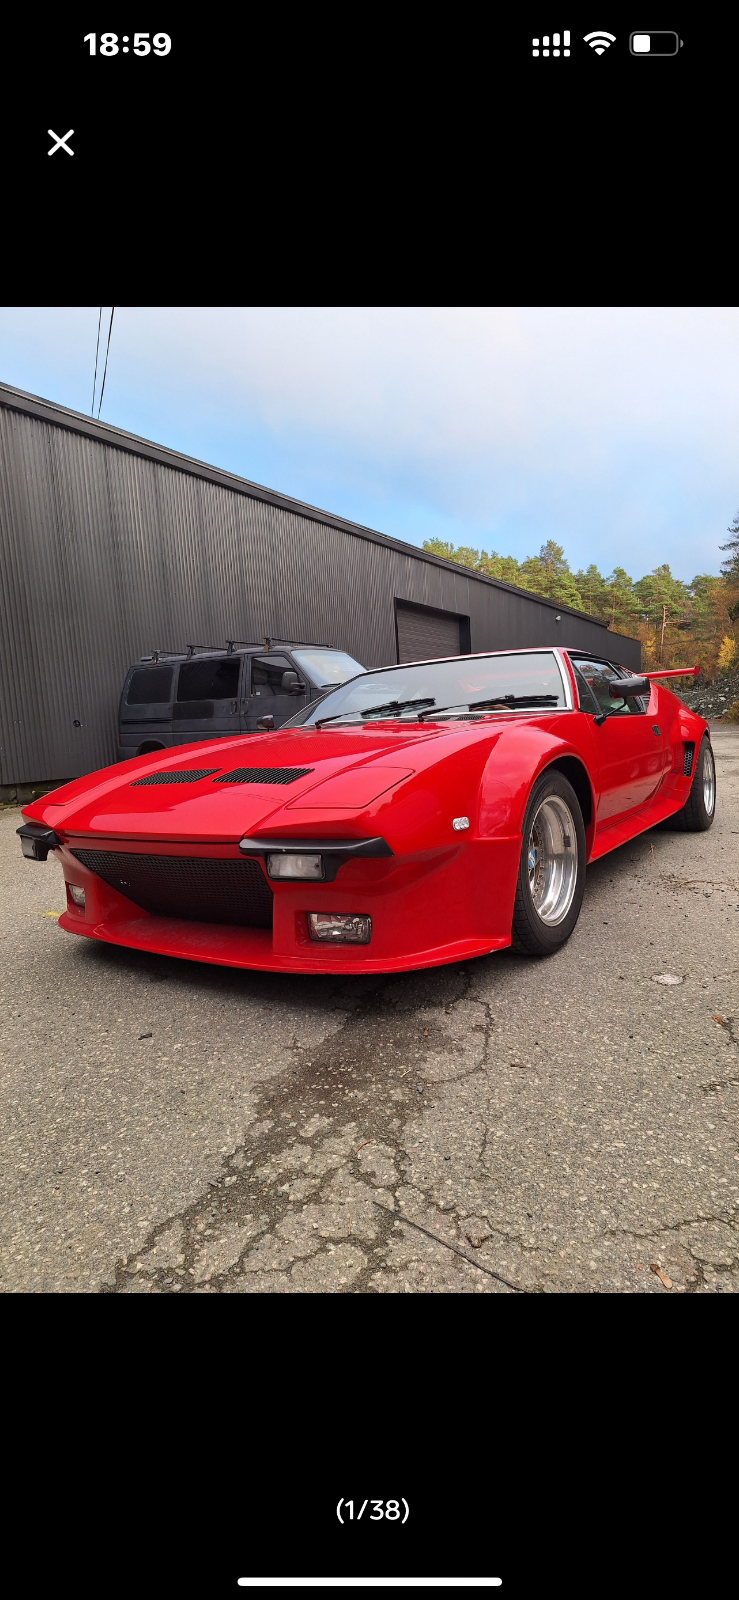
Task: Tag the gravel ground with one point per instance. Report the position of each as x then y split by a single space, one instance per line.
710 699
494 1127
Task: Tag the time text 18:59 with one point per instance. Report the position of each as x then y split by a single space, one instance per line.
109 46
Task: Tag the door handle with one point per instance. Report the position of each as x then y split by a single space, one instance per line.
655 730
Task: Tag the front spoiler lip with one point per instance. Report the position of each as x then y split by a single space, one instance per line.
334 852
204 942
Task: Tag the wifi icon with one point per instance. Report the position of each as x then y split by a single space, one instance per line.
599 40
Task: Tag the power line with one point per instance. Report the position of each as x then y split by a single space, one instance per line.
110 330
95 379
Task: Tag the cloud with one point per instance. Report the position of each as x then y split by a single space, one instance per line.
612 430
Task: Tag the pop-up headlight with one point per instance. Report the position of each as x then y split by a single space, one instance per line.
37 841
294 866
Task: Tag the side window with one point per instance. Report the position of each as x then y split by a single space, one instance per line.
599 675
150 685
209 680
585 694
266 676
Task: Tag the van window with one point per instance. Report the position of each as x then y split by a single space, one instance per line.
150 685
266 676
209 680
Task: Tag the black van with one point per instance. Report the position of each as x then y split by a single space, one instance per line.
172 698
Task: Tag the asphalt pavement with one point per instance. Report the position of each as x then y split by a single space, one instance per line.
500 1126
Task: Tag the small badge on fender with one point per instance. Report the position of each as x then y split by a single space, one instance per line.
460 823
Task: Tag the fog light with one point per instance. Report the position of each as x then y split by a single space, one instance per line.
76 895
294 867
334 927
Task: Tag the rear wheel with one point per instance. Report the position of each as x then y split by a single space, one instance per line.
700 808
551 874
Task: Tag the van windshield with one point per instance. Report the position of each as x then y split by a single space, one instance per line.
327 666
466 686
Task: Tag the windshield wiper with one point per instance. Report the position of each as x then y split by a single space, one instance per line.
517 700
500 702
392 706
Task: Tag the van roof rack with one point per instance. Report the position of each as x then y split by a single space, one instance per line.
229 648
309 643
163 655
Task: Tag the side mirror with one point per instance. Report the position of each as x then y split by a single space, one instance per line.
290 683
265 723
623 688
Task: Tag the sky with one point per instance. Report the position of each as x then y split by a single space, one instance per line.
610 430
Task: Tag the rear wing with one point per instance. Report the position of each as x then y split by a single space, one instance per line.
672 672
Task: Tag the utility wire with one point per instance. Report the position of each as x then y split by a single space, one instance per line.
110 330
95 379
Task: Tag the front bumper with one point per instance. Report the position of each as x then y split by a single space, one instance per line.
427 908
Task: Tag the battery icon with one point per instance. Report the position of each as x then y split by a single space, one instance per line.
659 42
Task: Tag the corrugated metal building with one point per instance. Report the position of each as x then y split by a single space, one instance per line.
112 547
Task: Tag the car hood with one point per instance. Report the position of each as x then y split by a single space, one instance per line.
331 779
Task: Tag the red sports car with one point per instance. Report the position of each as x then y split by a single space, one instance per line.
415 815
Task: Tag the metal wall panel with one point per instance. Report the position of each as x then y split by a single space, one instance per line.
111 547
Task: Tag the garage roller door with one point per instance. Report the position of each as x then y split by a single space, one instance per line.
422 635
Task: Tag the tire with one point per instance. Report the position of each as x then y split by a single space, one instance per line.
551 873
699 810
149 748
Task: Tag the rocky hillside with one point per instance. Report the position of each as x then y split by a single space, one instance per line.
710 700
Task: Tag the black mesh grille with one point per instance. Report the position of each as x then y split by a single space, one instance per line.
263 775
688 753
192 775
194 887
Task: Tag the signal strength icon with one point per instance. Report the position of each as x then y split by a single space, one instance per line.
554 43
599 41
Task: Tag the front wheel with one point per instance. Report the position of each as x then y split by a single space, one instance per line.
551 874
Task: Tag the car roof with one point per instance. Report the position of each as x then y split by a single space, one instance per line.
470 655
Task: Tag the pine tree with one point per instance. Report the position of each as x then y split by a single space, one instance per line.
445 549
462 554
549 574
661 597
594 592
506 568
623 609
730 567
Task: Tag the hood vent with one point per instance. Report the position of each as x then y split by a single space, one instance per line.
264 775
192 775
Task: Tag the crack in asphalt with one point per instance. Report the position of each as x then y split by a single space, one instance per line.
673 1229
727 1023
362 1080
321 1087
478 1264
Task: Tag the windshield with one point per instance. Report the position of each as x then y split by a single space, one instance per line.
327 667
468 685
